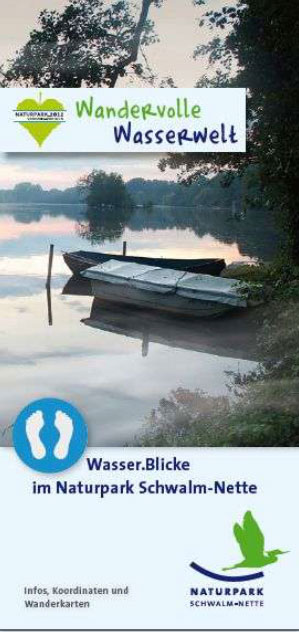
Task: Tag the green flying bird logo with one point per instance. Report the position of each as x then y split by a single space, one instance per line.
251 541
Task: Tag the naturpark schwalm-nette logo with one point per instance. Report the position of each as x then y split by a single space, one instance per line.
40 118
252 545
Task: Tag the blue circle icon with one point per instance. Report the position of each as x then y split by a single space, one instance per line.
50 435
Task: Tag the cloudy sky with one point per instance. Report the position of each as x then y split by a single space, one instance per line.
63 170
179 33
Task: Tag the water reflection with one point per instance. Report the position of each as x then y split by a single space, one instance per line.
117 370
233 335
105 224
253 232
252 235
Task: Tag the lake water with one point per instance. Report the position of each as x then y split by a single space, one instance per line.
117 372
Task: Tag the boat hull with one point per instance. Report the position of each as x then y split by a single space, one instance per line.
170 302
82 260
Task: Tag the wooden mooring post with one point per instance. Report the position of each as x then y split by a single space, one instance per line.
49 304
48 285
124 248
50 264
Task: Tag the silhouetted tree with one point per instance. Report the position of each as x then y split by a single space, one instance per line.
261 48
88 43
101 189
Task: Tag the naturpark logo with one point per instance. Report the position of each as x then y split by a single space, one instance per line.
40 118
252 545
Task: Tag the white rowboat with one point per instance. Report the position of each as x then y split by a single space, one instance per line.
165 289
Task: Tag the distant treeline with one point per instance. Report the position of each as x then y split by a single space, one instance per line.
25 192
206 192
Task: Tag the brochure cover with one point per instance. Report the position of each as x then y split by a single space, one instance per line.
149 295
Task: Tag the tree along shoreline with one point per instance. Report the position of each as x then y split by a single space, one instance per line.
207 192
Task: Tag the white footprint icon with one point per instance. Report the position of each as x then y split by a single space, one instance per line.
34 424
64 424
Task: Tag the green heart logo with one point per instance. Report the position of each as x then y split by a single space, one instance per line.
40 125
